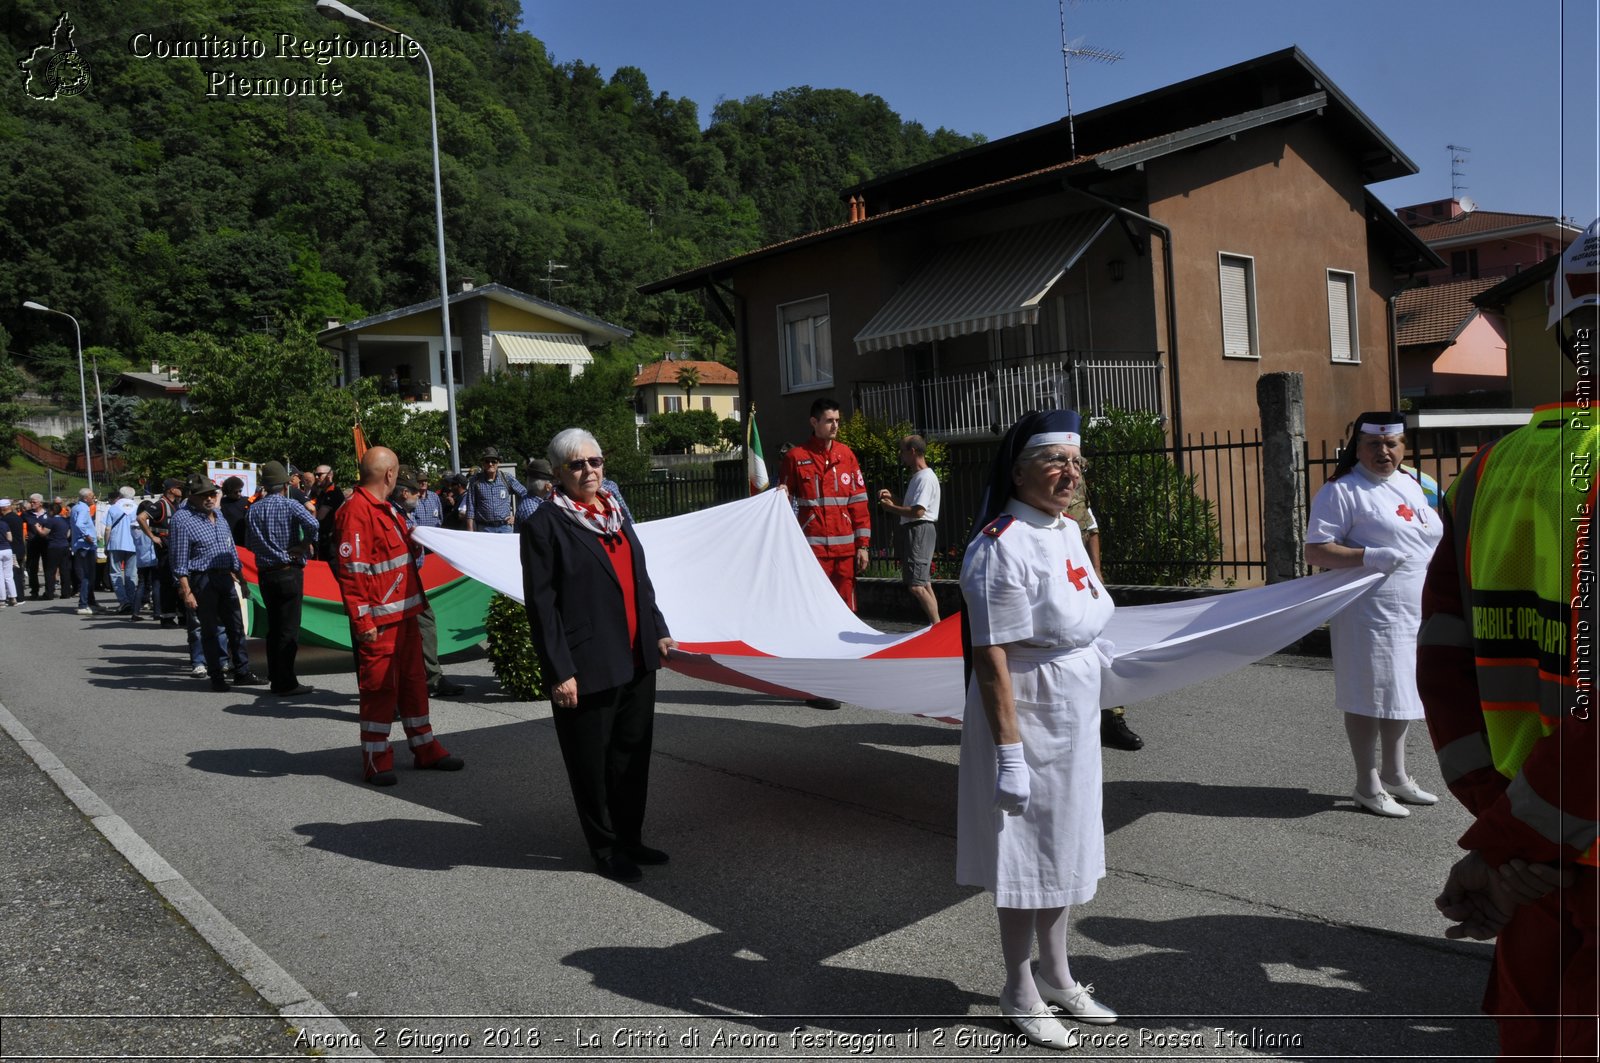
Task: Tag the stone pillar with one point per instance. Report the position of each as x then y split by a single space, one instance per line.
1280 397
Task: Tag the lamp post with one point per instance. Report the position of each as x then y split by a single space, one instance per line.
344 13
100 407
83 391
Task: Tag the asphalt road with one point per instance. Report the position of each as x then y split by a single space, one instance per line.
809 910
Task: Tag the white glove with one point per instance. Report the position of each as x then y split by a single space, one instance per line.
1011 780
1381 558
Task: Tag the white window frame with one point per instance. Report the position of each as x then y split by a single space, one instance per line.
811 316
1224 259
1348 314
672 404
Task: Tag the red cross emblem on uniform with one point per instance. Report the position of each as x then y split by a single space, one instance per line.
1076 575
1406 512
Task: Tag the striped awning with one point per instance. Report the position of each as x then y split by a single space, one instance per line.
978 285
543 348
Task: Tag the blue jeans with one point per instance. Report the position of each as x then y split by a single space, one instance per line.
124 577
197 649
83 563
501 529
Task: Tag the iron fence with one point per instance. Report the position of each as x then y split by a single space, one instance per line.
1198 522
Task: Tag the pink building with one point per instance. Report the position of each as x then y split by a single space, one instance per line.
1446 344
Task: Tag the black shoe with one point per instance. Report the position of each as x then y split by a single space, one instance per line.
827 704
1114 732
643 854
618 868
167 621
383 778
221 686
299 690
446 689
248 679
450 762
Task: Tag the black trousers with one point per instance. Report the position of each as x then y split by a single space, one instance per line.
37 548
57 563
282 593
605 742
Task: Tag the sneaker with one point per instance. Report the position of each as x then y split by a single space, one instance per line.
86 611
247 679
1114 731
199 671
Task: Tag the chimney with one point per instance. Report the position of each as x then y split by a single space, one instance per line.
155 368
464 284
333 322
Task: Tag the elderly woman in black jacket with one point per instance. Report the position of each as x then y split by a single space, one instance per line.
600 639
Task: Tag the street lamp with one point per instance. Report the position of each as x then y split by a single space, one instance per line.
83 391
344 13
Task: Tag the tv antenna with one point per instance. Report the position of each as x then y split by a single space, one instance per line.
551 281
1458 159
1077 50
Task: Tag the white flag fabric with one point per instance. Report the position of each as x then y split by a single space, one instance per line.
750 607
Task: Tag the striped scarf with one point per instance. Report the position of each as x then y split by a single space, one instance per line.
604 524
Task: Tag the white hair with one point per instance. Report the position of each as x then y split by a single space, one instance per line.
125 491
36 497
567 442
85 492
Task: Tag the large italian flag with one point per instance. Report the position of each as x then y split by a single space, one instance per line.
459 605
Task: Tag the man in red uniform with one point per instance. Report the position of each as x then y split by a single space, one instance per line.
1505 667
829 494
376 566
824 481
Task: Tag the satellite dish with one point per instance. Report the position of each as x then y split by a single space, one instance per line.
1467 205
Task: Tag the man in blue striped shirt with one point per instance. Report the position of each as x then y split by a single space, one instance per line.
492 497
206 566
280 572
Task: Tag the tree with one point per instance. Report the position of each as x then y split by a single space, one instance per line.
688 380
259 397
680 433
1155 527
520 411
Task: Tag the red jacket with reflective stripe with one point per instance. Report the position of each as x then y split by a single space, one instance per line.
826 484
375 563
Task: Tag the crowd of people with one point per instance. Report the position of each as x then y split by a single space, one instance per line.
1498 697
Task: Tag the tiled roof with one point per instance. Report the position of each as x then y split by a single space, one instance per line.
1479 221
665 372
1435 314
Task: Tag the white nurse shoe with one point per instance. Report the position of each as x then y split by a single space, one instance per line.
1038 1025
1381 804
1411 793
1076 1001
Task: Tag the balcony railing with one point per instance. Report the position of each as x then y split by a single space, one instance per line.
984 402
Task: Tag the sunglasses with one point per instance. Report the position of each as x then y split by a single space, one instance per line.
579 464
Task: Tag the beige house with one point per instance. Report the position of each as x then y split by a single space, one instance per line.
492 328
657 389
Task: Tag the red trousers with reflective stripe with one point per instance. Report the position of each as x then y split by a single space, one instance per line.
390 675
1544 964
842 574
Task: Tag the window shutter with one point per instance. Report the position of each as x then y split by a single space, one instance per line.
1339 302
1236 307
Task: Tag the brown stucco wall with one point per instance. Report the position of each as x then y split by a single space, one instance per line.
1293 202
